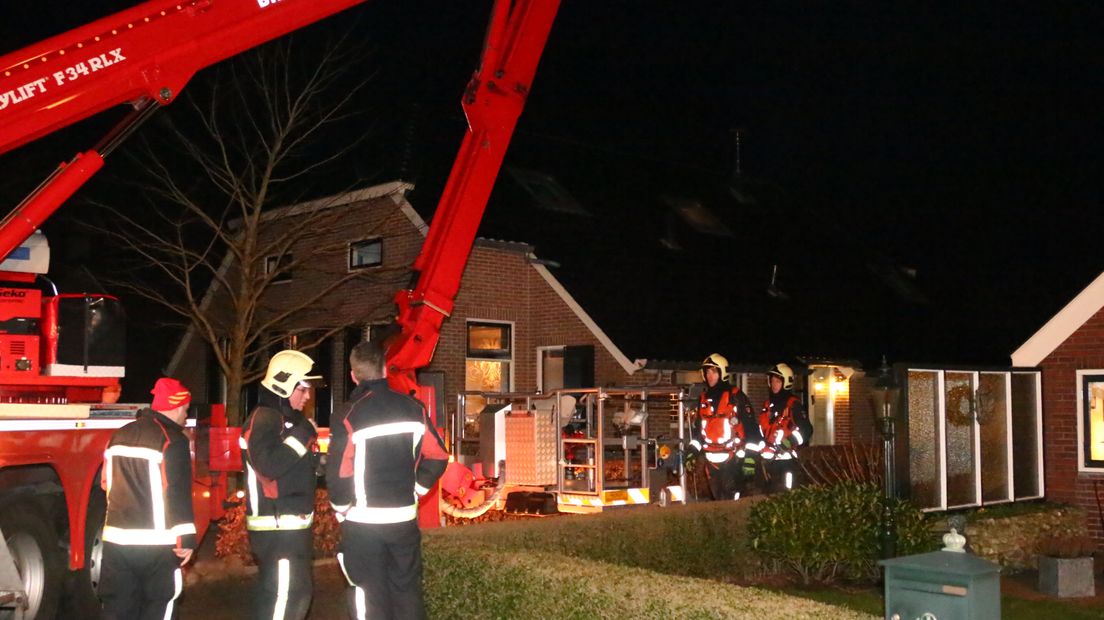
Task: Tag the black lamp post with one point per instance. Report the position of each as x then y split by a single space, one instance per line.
883 397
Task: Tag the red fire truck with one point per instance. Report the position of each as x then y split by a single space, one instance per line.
61 355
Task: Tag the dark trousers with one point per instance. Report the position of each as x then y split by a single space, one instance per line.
383 565
139 582
784 475
725 479
284 581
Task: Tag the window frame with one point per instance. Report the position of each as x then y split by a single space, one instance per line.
509 359
1011 453
352 247
495 355
1083 377
272 263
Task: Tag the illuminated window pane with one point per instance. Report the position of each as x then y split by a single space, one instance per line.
487 368
1092 407
489 340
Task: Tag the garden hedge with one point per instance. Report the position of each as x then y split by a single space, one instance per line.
698 540
825 533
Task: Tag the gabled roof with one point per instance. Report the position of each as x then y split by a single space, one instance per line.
397 191
1062 325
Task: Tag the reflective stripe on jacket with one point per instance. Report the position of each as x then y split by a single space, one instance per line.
788 422
148 479
383 455
279 469
721 430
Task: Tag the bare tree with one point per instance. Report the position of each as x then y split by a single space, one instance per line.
264 130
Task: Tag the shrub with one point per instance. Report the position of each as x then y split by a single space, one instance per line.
697 540
823 533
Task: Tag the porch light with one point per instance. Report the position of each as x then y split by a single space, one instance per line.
883 398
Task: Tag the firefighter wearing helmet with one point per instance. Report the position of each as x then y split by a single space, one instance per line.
278 444
784 426
724 431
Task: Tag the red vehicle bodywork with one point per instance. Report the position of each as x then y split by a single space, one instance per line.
143 57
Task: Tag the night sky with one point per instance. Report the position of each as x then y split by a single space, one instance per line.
955 146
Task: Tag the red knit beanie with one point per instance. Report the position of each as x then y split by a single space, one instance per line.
168 394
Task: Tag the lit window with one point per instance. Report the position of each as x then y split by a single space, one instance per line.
489 340
280 266
1091 403
366 253
487 367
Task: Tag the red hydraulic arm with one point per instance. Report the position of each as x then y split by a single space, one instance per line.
492 103
141 56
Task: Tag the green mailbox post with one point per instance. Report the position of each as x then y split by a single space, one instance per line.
942 585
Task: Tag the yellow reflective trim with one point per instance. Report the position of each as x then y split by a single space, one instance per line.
283 522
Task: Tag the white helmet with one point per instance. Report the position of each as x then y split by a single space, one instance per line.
717 361
285 370
784 372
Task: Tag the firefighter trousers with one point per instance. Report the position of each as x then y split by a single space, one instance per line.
784 475
726 480
139 582
383 565
284 581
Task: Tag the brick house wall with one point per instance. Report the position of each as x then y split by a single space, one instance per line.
501 283
376 212
1064 483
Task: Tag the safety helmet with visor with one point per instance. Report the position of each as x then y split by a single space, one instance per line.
286 370
784 372
717 361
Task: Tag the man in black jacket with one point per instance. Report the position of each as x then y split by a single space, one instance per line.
149 531
384 454
277 441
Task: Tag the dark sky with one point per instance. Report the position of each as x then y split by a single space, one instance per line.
961 142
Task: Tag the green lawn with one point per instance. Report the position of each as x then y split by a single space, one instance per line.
870 601
649 545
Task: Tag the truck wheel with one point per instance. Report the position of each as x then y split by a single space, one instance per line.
34 547
93 536
81 600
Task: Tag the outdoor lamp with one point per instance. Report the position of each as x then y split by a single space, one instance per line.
883 397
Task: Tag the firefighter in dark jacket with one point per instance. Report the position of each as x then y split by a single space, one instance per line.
785 426
277 447
149 532
725 432
384 455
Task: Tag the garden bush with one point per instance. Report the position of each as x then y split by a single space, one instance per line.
825 533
